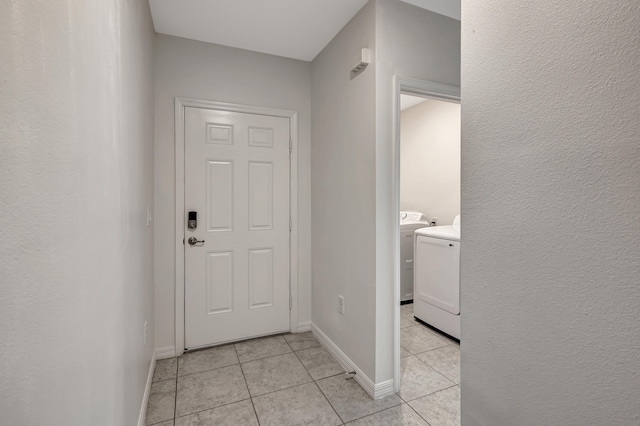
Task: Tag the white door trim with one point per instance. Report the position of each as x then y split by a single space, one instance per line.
180 105
427 89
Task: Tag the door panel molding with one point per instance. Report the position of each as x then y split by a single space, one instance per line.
218 135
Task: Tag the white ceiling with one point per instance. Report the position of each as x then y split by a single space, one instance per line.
297 29
450 8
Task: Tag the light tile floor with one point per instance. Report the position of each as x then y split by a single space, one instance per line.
292 380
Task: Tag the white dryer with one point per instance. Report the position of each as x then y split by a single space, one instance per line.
409 222
436 298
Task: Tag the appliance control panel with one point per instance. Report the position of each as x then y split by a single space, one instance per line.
410 216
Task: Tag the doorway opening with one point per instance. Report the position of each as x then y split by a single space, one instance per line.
426 193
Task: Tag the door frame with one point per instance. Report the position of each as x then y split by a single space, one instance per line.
180 105
426 89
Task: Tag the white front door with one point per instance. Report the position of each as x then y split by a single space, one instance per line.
237 181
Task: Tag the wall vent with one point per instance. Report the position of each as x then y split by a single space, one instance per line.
361 62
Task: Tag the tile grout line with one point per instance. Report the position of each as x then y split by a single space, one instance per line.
175 402
327 399
210 369
208 409
315 382
273 356
419 415
429 394
432 393
260 359
381 410
288 387
428 350
432 368
247 385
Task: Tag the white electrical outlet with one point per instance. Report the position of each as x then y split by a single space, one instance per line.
145 333
341 304
434 221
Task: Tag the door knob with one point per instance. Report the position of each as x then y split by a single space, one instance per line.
193 241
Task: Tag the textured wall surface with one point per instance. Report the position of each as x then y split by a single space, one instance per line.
76 177
551 204
193 69
430 160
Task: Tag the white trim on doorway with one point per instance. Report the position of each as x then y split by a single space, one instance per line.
180 104
427 89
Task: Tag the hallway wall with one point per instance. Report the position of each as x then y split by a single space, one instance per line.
194 69
76 178
550 259
343 197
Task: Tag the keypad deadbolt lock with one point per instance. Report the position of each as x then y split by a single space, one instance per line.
192 222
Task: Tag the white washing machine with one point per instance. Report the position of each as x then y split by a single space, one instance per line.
437 277
409 222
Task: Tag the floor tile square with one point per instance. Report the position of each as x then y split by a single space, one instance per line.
302 405
165 369
300 341
319 363
274 373
404 352
207 359
402 415
162 398
236 414
418 379
440 408
351 401
444 360
262 348
419 338
210 389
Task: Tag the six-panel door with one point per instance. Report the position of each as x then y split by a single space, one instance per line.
237 180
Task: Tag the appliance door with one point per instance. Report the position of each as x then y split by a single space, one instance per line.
437 273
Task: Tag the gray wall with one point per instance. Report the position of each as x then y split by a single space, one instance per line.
343 192
193 69
550 201
76 178
430 160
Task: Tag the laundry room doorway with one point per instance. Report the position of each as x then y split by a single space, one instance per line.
426 190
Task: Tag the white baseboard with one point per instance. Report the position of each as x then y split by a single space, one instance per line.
383 389
147 390
304 326
376 391
166 352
